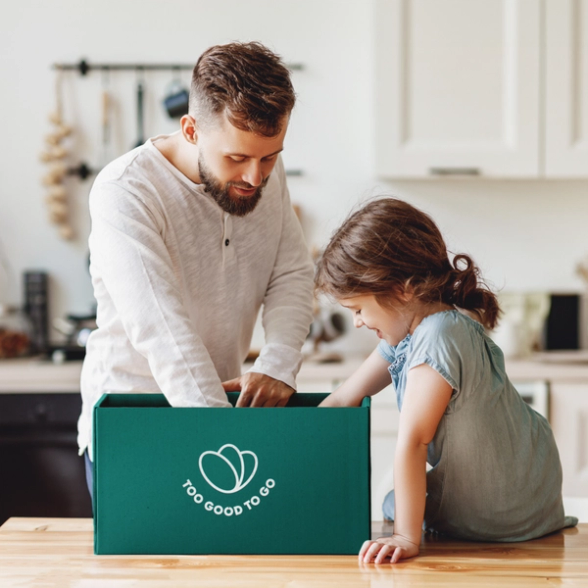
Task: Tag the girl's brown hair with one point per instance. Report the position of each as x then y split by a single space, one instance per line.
388 247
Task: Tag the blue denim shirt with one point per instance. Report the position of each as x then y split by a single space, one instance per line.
496 473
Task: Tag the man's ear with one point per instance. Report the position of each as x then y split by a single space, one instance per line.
189 130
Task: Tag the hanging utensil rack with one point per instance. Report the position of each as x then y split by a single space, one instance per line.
84 67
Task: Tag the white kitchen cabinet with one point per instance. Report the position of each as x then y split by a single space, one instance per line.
458 87
569 420
566 88
491 88
384 432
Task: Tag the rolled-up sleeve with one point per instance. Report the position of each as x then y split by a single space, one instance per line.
287 308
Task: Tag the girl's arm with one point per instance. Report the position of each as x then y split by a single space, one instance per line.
371 377
426 398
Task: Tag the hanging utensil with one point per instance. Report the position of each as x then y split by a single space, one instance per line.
140 126
106 104
176 102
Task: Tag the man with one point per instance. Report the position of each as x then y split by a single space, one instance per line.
191 234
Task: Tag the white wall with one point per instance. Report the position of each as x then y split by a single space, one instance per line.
525 235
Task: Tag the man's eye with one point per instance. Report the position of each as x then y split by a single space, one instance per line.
269 158
237 159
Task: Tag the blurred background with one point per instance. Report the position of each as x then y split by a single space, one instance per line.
474 110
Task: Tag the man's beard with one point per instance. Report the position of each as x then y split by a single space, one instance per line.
237 206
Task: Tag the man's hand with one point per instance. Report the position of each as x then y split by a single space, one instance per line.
393 548
259 390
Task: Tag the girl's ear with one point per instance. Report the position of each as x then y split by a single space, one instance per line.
406 294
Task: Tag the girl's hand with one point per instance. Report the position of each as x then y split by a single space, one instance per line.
394 548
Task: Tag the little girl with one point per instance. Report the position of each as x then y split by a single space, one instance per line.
496 474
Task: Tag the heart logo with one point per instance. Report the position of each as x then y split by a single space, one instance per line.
227 468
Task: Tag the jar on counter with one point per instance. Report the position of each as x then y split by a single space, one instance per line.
15 340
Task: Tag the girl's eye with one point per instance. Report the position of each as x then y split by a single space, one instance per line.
357 312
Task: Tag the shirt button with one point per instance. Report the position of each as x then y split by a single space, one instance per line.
227 242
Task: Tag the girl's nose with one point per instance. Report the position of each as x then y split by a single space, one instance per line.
357 322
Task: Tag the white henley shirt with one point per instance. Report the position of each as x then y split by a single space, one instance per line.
179 284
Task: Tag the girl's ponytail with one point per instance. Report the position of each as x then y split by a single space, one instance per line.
465 288
388 246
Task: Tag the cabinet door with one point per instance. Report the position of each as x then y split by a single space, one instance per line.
384 432
569 420
457 87
566 88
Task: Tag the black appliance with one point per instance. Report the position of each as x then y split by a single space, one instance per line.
42 473
562 326
36 302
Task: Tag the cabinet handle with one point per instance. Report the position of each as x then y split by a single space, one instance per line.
455 171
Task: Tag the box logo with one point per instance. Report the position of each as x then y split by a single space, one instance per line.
232 460
228 471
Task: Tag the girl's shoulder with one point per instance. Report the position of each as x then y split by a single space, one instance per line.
448 334
454 324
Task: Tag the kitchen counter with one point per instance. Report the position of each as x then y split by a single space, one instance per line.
59 552
33 375
568 366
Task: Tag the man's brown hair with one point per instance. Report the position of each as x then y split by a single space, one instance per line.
246 81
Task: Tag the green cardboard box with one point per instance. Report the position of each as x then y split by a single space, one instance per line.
293 480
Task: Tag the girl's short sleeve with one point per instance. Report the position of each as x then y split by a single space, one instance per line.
444 342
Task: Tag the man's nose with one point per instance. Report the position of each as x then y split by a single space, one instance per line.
252 174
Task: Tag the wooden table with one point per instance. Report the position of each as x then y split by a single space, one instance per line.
59 552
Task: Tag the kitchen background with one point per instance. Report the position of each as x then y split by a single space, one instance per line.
526 234
386 90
